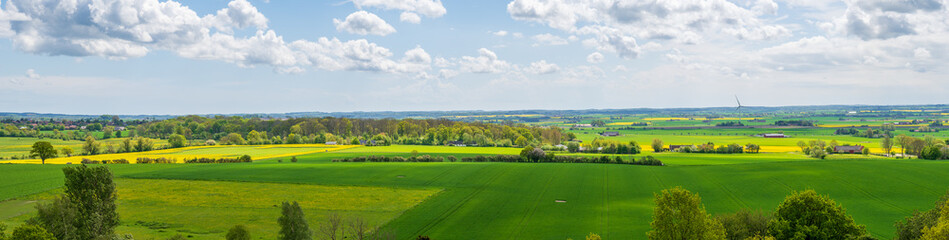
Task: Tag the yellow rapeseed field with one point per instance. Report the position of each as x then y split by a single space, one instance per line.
219 151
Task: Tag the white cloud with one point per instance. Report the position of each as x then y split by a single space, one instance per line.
595 57
501 33
542 67
486 62
615 25
364 23
410 17
30 73
429 8
548 39
239 14
119 29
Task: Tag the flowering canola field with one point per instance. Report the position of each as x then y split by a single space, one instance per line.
257 152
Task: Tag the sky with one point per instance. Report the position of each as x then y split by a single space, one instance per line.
260 56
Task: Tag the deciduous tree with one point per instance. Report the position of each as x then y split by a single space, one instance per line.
808 215
679 214
293 225
43 150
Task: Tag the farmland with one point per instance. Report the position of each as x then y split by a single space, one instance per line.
487 200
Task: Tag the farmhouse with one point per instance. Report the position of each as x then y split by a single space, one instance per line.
772 135
609 134
331 143
582 125
456 143
848 149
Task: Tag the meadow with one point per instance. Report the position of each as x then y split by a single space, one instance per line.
515 200
461 200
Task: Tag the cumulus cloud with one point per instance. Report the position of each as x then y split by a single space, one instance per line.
500 33
364 23
549 39
595 57
542 67
410 17
428 8
120 29
615 25
881 19
486 62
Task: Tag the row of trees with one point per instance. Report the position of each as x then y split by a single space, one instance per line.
605 146
308 130
657 146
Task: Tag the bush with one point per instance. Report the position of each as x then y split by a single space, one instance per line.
744 224
145 160
293 159
238 232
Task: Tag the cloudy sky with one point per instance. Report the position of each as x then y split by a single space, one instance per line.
242 56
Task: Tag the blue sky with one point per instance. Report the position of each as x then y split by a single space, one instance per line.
247 56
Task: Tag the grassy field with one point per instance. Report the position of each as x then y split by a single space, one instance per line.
220 151
512 200
484 200
207 209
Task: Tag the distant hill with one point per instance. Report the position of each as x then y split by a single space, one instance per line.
827 109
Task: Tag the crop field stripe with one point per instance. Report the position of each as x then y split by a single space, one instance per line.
458 205
533 208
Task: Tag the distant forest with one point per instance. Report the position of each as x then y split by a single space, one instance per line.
320 130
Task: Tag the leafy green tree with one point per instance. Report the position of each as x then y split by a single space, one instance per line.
177 141
66 151
43 150
3 230
143 144
126 145
293 225
887 144
803 146
107 132
521 141
92 190
295 139
679 214
91 147
58 217
931 153
912 227
254 138
808 215
238 232
744 224
233 139
941 230
31 232
657 145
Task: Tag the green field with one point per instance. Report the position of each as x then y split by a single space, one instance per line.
516 200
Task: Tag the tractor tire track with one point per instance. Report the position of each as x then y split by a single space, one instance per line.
533 208
454 208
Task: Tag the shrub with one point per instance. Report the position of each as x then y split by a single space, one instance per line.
293 159
238 232
744 224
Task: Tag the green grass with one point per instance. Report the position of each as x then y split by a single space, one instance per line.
516 200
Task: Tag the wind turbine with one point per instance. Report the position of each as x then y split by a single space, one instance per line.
738 109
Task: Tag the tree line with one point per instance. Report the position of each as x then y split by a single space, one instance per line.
347 130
